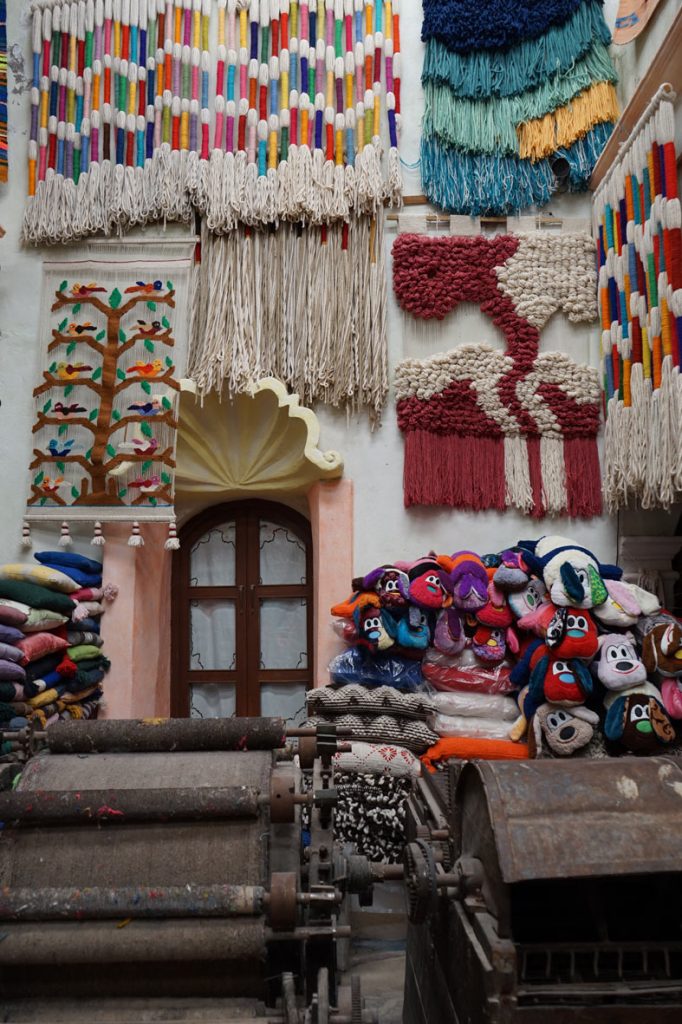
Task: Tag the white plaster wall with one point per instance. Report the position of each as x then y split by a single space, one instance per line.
383 528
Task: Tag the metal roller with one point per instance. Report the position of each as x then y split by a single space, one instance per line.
166 734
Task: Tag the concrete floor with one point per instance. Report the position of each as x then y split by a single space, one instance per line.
378 951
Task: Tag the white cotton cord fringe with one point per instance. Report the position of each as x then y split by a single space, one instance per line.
172 544
26 541
553 465
65 536
306 305
98 538
135 540
519 492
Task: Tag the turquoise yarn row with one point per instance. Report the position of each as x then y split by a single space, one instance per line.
489 125
478 184
483 73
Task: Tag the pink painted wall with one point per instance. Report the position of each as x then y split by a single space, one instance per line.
331 521
136 628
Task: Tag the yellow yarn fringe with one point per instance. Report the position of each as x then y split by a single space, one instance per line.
544 135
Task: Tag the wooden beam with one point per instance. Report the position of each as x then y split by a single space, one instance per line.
665 67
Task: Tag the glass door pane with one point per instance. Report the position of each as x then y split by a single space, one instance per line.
282 555
212 700
283 633
212 640
283 700
213 558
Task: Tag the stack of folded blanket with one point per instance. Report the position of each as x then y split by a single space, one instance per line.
51 659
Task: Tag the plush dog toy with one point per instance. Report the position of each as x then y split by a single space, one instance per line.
527 600
662 654
618 665
572 633
375 628
390 583
449 636
572 574
489 643
511 573
467 579
637 721
556 681
426 583
625 604
564 730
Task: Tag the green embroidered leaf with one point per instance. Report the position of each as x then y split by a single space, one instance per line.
63 429
115 415
47 406
115 299
169 362
67 390
149 345
166 403
71 347
122 492
165 478
62 325
43 500
88 454
63 286
169 286
153 501
75 493
146 430
39 478
152 306
61 467
120 374
146 465
165 321
97 373
52 367
100 336
121 335
146 387
111 451
77 308
92 415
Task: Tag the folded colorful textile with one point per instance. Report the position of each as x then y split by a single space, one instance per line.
384 729
10 671
78 577
36 646
82 651
8 652
11 691
66 560
88 625
9 634
378 759
356 699
77 636
36 596
475 728
355 665
11 617
476 705
465 749
42 575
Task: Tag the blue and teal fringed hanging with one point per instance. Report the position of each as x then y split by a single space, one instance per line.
503 125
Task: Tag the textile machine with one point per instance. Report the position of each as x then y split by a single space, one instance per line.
545 891
162 864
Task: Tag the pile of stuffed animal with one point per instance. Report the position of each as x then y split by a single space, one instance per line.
541 643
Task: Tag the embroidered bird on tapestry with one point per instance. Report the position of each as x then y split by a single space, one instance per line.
69 371
83 290
146 483
144 287
146 369
60 448
62 411
148 328
151 408
75 329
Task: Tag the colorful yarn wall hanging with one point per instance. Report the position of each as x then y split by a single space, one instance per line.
3 91
247 111
105 429
486 428
519 100
304 305
637 221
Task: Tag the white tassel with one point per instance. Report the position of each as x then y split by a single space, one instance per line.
98 539
135 540
172 544
65 538
26 541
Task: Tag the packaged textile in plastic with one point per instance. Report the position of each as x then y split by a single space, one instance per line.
356 665
475 705
476 728
464 671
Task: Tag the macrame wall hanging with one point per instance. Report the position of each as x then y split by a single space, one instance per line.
519 100
637 224
486 428
247 111
115 331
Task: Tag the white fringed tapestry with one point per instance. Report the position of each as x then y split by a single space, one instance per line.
115 333
637 226
248 111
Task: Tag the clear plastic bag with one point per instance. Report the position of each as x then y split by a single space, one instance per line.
475 705
464 671
448 726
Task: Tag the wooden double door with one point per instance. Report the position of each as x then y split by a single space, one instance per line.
242 613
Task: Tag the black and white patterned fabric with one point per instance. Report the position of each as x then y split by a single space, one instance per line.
371 812
415 735
354 699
